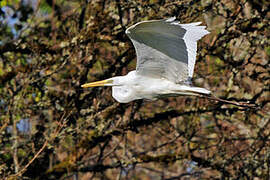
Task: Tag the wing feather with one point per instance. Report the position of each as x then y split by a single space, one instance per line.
165 48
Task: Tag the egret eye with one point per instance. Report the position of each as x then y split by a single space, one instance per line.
123 90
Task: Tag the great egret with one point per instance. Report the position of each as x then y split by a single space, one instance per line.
166 55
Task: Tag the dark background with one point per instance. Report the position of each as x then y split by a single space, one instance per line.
53 129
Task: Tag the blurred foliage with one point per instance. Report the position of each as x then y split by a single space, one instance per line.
53 129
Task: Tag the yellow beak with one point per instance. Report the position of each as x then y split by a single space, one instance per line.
98 83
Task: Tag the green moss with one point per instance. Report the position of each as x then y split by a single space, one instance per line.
267 50
7 156
21 153
219 62
62 167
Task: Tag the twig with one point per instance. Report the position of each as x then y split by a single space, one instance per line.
54 135
31 161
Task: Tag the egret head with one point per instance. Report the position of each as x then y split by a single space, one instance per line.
122 88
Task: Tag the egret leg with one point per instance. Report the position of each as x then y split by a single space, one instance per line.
240 104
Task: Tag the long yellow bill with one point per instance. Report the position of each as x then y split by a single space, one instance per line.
98 83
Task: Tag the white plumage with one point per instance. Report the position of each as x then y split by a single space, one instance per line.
166 55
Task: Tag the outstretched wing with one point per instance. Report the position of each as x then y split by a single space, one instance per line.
165 48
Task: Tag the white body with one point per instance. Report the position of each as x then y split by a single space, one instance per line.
141 87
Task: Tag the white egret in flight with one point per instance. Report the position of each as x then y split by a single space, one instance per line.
166 55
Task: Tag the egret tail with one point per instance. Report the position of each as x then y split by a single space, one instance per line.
189 90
